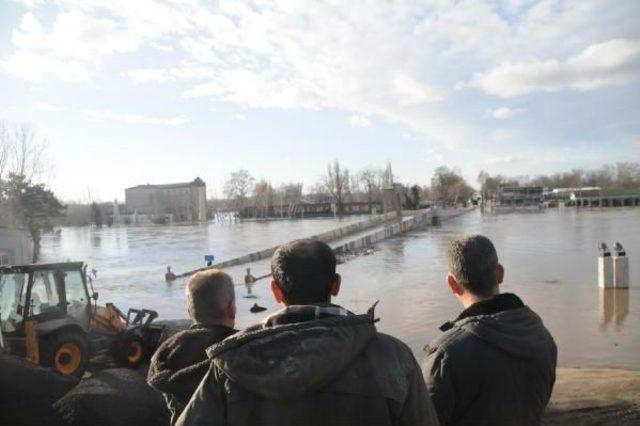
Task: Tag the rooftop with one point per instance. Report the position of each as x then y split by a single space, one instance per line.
196 182
621 192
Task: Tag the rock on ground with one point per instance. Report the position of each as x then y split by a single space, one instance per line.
594 396
27 392
113 397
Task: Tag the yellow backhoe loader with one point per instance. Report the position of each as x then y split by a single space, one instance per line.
47 316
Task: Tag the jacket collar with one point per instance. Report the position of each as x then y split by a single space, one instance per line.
302 313
499 303
211 326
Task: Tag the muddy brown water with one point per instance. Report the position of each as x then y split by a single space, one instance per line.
550 261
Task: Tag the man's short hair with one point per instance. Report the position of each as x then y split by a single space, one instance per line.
208 295
473 261
305 271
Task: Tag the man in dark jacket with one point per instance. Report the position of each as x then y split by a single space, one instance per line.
181 361
313 363
495 364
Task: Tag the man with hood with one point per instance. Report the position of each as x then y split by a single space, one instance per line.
495 364
181 361
312 363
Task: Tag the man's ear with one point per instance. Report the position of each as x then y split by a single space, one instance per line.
189 308
335 286
500 273
454 286
277 292
231 310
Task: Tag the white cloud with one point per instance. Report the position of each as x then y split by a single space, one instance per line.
31 3
412 92
162 47
200 49
34 66
392 61
43 106
502 113
185 71
106 115
359 121
76 36
141 75
612 63
134 118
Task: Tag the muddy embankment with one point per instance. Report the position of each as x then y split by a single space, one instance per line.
595 396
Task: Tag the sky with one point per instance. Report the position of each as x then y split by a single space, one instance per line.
149 91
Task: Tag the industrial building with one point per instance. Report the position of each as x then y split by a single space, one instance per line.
174 202
527 197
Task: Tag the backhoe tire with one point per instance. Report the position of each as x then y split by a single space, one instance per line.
66 351
129 350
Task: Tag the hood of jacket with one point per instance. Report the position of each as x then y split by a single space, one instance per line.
281 360
518 332
181 361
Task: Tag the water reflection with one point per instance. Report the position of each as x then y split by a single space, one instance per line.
614 305
96 240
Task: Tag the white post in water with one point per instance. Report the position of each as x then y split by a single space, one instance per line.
605 267
620 267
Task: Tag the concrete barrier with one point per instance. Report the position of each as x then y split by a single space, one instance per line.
605 271
431 217
327 237
620 271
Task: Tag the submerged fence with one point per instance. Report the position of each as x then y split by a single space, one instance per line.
327 237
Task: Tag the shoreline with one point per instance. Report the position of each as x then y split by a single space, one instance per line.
592 395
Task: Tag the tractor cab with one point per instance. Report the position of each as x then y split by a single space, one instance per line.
47 316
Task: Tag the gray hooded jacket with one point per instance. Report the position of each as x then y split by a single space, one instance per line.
492 368
302 368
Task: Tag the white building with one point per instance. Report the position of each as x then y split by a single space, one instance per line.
182 202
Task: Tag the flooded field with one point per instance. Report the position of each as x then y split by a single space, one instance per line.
550 261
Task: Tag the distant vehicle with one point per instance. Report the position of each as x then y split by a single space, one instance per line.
46 315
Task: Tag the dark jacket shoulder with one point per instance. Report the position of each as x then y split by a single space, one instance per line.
332 370
498 367
179 364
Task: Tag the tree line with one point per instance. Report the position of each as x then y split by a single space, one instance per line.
25 202
618 176
339 186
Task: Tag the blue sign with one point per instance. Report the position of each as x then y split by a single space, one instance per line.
208 258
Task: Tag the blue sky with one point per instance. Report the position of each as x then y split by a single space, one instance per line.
130 92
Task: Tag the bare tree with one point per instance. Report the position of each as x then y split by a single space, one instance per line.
237 187
21 152
628 175
370 179
5 148
319 194
27 153
262 197
337 183
449 187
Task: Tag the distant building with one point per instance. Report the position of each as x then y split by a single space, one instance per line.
567 196
605 198
519 197
179 202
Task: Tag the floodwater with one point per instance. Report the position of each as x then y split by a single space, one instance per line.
550 260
